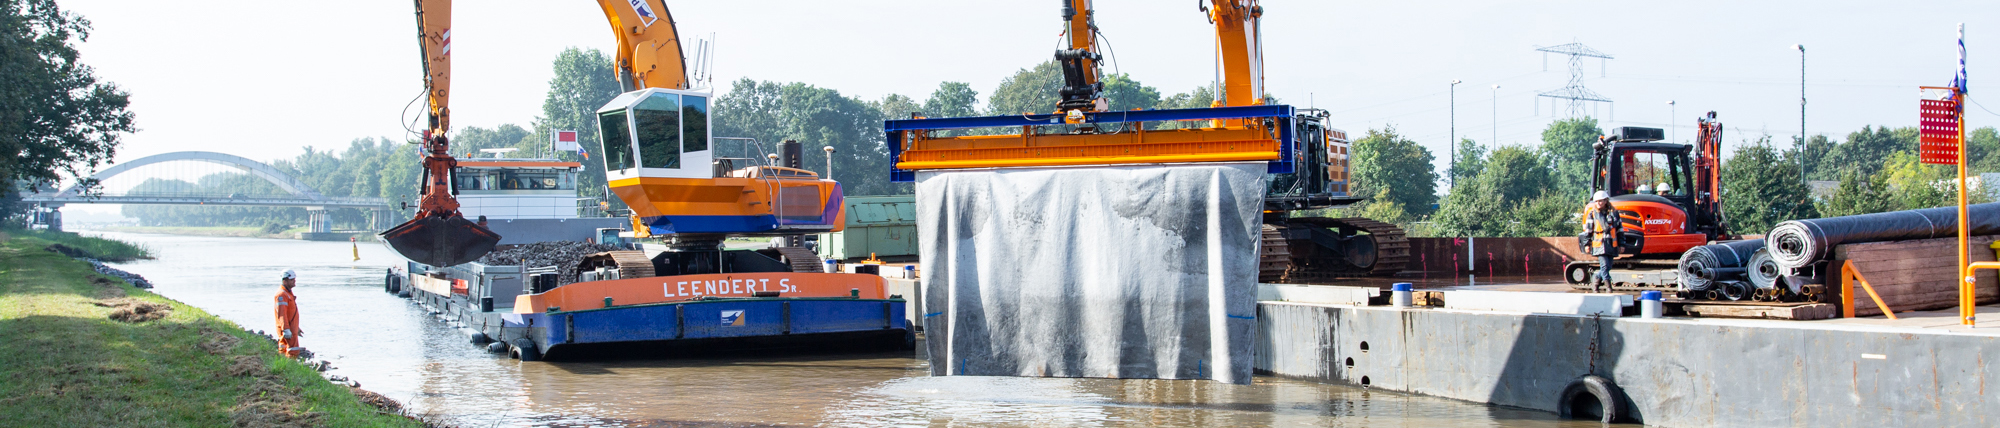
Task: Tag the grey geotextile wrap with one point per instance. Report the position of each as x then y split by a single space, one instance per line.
1109 272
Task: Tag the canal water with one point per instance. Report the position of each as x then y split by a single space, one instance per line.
392 347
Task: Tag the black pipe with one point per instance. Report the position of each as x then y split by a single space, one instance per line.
1798 243
1702 266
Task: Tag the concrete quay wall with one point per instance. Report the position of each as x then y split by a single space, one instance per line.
1675 372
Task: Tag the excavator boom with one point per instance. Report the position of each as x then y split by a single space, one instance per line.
438 235
649 47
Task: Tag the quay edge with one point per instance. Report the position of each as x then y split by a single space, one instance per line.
1674 372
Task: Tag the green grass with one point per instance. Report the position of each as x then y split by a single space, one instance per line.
67 363
109 250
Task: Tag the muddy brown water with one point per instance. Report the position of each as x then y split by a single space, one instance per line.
394 348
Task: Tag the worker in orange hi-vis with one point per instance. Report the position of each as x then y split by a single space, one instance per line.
288 318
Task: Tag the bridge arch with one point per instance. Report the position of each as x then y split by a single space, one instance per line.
286 182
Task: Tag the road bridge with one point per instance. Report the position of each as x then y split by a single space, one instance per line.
297 192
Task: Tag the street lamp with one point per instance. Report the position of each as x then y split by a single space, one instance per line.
1495 144
829 162
1671 117
1452 146
1802 110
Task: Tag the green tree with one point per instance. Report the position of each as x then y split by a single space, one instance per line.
1567 143
1390 166
584 81
895 106
1916 185
1761 187
1857 195
1127 94
1551 214
1517 174
1199 97
472 139
951 99
1513 185
56 119
1469 160
1982 150
1862 153
1030 90
816 117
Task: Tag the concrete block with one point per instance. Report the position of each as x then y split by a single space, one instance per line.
912 291
1317 294
1610 305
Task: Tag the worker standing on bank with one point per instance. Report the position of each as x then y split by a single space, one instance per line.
1601 233
288 317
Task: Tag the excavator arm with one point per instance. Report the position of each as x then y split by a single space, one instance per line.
1082 79
438 235
1240 48
649 46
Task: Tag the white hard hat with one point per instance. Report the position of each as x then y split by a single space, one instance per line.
290 275
1662 188
1599 196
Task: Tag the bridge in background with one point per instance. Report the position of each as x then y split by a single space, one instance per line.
297 192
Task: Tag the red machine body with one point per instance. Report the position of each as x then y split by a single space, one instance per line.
1667 194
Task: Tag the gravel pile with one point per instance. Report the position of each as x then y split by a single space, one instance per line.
564 255
132 278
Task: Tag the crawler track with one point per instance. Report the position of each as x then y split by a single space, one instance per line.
1314 249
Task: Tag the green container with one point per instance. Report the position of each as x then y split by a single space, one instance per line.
883 225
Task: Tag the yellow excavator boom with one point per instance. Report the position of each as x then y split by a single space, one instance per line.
649 46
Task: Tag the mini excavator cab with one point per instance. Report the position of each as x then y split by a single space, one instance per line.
1655 187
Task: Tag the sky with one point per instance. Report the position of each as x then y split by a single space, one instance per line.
265 79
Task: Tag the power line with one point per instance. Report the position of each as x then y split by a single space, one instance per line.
1574 92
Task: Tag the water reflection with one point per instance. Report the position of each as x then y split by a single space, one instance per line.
397 349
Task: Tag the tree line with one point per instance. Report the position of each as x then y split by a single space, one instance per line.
768 112
64 123
1540 190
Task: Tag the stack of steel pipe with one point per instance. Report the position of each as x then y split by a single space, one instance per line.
1704 267
1799 243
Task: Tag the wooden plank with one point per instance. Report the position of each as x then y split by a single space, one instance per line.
1427 298
1904 262
1801 312
1916 274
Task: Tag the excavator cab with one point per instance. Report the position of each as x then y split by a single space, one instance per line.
659 158
1654 188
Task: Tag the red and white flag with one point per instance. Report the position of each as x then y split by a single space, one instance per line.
565 141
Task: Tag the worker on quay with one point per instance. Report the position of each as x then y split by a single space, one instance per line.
288 317
1601 228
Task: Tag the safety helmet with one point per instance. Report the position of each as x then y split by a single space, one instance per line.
290 275
1663 189
1599 196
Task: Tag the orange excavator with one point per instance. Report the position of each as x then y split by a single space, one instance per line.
1668 197
438 235
659 157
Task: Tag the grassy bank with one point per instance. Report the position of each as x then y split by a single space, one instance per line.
86 350
102 249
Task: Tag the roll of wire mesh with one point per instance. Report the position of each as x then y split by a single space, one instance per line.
1702 267
1799 243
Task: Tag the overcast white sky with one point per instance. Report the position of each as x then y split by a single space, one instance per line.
263 79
